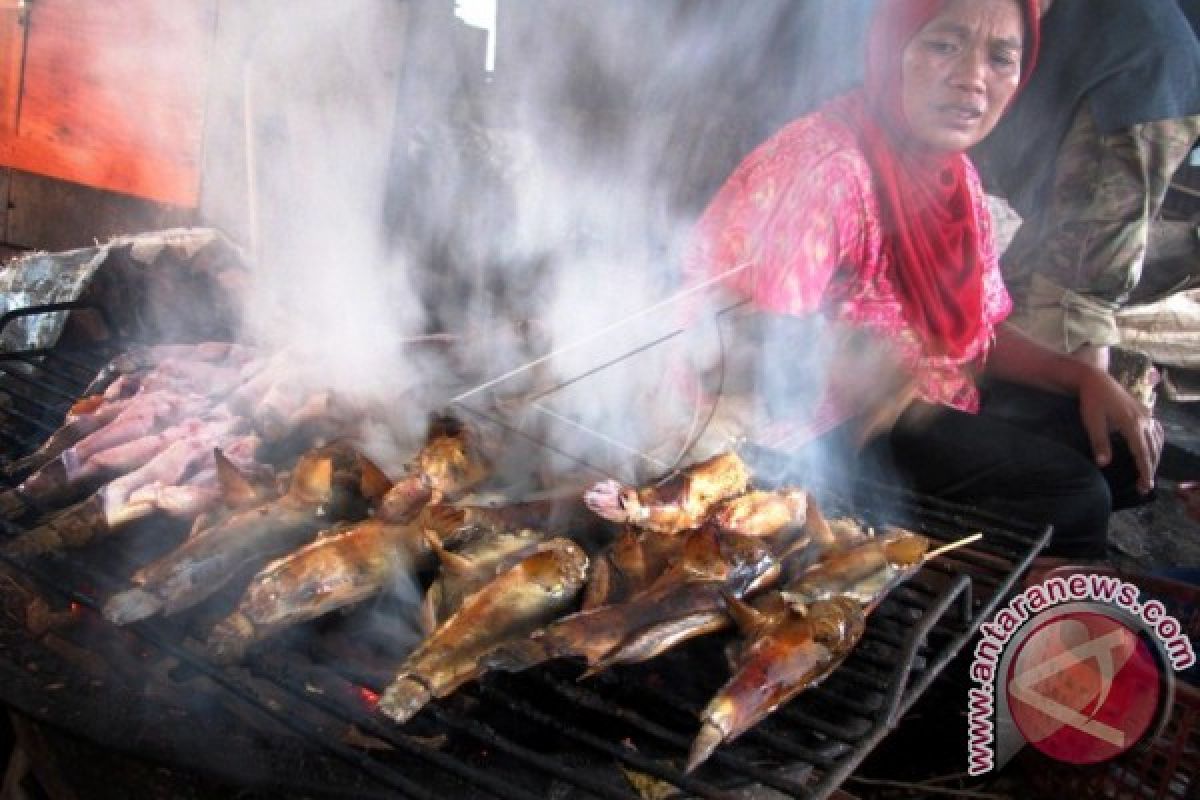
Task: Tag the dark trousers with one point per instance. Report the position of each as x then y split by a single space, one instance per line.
1025 455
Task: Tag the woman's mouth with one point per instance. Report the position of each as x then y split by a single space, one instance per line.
961 116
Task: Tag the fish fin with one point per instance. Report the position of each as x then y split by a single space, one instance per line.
817 527
702 558
600 660
748 619
451 562
428 613
593 670
236 489
131 605
312 480
373 483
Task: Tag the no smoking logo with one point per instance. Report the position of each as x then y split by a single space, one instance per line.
1084 687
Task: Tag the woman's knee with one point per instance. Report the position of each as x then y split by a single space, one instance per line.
1081 517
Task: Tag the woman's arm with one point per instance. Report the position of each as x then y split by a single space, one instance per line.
1017 358
1104 405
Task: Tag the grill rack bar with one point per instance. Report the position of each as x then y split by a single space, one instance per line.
589 699
1015 549
239 689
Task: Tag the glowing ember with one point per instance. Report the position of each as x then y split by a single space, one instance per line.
369 697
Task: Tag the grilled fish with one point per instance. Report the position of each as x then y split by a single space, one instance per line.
681 502
863 570
799 635
85 417
129 439
352 562
514 603
116 504
478 555
792 649
228 482
762 513
143 359
450 462
340 568
327 485
633 561
686 601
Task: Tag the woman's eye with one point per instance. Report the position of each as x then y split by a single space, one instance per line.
1005 60
941 47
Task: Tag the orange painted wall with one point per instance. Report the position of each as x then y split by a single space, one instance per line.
109 94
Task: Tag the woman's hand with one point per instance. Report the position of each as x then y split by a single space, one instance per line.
1105 406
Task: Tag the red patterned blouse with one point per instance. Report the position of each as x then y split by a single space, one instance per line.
801 211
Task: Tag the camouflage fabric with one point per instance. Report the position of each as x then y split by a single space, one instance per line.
1072 265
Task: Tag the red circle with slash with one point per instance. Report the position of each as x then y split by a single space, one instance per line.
1084 687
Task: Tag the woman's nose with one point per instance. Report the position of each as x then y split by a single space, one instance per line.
970 70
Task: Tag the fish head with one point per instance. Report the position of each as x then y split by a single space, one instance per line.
557 566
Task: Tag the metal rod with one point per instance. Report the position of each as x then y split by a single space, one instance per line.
593 702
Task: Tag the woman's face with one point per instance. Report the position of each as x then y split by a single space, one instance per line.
959 72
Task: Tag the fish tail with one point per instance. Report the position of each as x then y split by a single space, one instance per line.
41 540
404 698
131 605
594 669
20 465
231 638
706 742
74 527
12 505
50 484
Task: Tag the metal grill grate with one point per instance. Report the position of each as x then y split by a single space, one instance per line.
298 715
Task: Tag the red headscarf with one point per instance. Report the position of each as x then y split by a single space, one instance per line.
931 229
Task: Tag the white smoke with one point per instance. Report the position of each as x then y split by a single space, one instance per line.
536 212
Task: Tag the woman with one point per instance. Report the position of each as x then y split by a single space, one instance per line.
868 212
